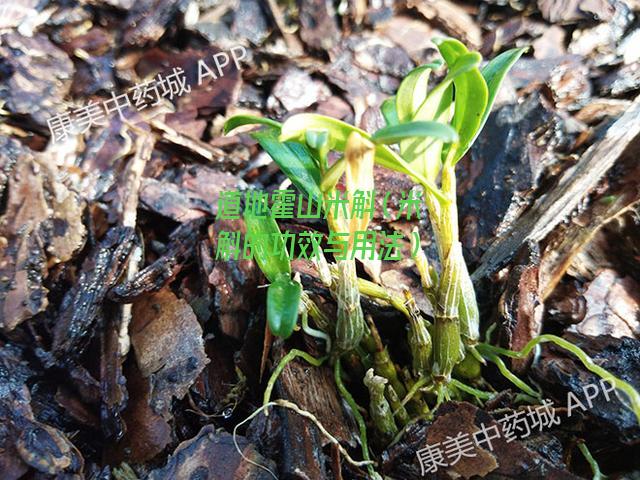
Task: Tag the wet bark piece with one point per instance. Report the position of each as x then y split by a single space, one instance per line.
250 21
550 44
621 82
148 433
235 282
95 71
507 460
559 372
213 455
186 193
170 201
520 305
570 85
312 389
103 160
35 77
179 251
113 386
414 36
572 187
10 151
82 306
216 90
219 385
318 26
507 32
599 109
528 71
564 244
503 169
14 404
293 440
40 446
42 223
167 340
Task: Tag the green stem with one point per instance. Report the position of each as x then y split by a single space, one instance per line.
313 332
413 390
595 468
511 377
480 394
337 372
619 384
293 353
374 290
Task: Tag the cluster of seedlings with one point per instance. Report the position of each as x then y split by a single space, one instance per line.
428 131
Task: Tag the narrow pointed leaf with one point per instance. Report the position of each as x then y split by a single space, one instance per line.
264 228
425 155
471 96
294 159
494 73
240 120
412 93
430 129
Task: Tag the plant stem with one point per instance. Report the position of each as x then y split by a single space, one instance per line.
313 332
293 353
632 394
413 390
511 377
595 468
457 316
337 372
480 394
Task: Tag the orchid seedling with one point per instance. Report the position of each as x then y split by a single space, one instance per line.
428 131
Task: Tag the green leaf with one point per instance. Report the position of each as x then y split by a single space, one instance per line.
240 120
412 93
494 73
389 112
430 129
283 301
424 155
264 227
437 101
294 160
450 49
295 127
471 96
